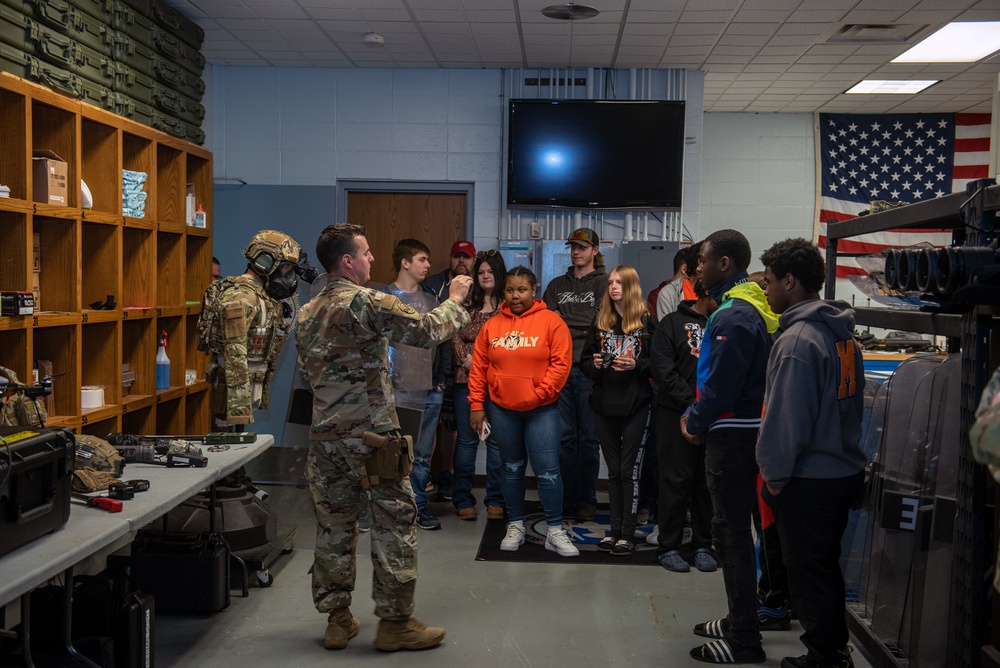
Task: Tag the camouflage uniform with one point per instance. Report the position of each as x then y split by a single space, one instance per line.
342 337
248 337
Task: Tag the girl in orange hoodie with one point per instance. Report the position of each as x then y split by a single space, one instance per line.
522 356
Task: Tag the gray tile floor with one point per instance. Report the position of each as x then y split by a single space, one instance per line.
495 614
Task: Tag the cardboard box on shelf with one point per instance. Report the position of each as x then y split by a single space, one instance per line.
50 178
36 289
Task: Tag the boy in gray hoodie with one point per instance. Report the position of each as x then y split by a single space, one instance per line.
808 446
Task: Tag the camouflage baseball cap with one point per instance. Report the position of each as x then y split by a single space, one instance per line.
584 237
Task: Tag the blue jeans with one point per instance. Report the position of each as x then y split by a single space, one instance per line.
529 435
731 473
465 457
423 447
579 451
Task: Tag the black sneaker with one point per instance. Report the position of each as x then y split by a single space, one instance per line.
427 521
774 619
443 493
842 659
720 651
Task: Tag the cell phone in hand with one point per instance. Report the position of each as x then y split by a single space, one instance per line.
607 359
485 430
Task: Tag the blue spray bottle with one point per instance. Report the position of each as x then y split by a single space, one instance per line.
162 364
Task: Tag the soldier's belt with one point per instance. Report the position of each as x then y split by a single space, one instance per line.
258 377
391 461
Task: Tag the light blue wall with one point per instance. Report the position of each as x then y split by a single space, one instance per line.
292 126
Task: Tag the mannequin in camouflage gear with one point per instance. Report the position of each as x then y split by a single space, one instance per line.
342 337
243 325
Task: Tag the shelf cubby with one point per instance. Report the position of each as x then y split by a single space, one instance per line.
199 174
15 353
101 363
139 421
174 327
197 411
102 428
170 416
198 254
15 157
171 188
101 158
101 271
59 259
138 268
15 270
61 346
170 259
54 128
139 155
139 352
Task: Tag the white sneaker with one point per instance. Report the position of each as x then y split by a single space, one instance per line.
514 538
654 536
559 542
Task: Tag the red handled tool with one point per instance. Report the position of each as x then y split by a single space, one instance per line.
102 502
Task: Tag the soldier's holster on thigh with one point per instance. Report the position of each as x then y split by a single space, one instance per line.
391 459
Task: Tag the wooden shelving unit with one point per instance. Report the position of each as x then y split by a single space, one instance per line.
156 267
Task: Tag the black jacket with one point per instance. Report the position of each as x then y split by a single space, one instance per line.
618 393
674 358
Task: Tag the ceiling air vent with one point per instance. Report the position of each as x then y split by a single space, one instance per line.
874 33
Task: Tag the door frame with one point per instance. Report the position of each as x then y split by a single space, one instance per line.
467 188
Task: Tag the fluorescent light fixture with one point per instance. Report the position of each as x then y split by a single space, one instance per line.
959 42
890 87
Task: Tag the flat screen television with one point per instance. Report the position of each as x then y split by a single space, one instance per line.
589 154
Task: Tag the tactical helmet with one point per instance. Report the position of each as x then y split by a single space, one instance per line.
273 256
268 248
97 464
96 453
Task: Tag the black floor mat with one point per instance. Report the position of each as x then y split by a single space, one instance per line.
585 536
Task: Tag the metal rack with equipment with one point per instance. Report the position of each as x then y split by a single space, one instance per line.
972 324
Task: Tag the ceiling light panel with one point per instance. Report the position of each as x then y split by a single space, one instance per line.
890 87
959 42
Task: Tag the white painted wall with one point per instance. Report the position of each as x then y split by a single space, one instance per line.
758 176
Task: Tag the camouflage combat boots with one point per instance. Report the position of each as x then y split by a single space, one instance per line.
341 627
406 634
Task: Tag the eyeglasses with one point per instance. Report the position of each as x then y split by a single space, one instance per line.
487 253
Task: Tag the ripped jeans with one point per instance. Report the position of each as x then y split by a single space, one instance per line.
529 436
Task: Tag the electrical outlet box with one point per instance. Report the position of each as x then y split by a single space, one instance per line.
535 231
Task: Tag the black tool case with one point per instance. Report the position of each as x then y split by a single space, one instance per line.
184 572
36 475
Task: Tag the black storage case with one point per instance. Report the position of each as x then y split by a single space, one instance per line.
103 607
36 474
184 572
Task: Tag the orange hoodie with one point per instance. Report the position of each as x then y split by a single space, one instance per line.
523 360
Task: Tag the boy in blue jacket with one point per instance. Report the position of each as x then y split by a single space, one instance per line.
808 449
725 418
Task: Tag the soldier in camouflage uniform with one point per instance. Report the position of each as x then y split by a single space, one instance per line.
244 324
342 337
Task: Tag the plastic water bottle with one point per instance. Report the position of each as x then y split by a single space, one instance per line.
162 364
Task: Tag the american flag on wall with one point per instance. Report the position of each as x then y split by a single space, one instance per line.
897 158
